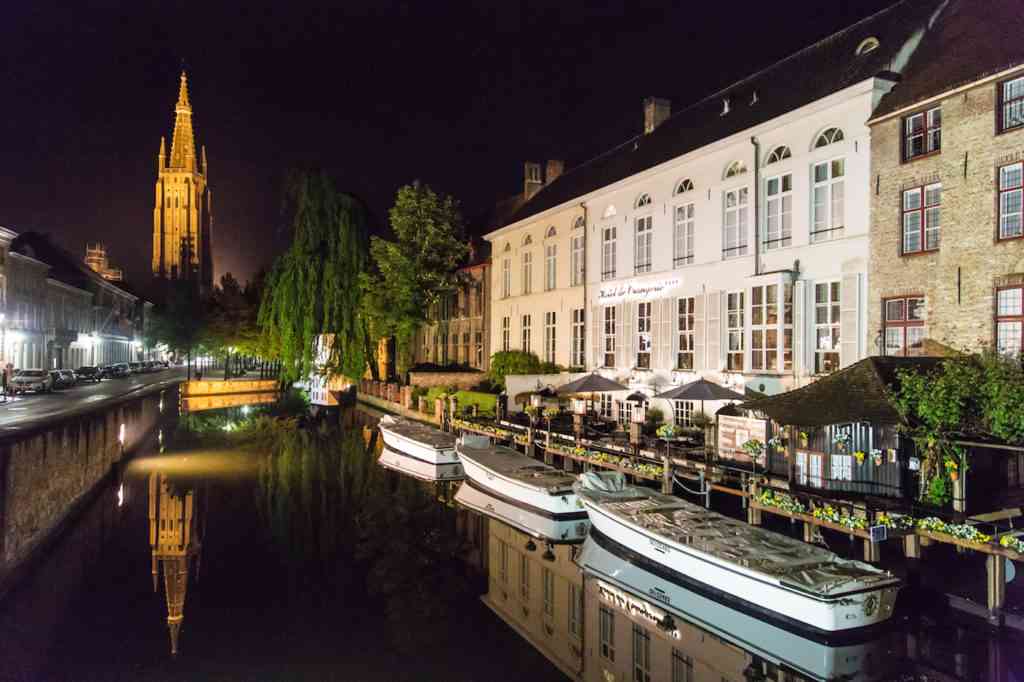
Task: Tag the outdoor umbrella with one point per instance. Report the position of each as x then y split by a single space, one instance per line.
524 397
592 383
701 390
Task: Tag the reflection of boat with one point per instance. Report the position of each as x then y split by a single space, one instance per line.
632 581
417 468
539 526
519 480
418 440
805 585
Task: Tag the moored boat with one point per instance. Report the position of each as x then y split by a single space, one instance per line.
519 480
417 468
414 439
789 580
539 526
629 581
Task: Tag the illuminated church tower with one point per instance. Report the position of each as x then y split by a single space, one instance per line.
182 217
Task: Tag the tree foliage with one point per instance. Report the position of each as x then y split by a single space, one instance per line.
417 268
180 320
313 288
232 315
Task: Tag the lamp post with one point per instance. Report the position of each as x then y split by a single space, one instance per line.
579 413
639 416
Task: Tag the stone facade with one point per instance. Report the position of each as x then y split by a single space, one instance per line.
458 333
959 279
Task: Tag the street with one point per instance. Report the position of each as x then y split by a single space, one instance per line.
31 409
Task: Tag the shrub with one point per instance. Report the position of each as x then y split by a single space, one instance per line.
508 362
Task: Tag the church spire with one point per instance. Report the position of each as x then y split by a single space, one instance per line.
183 146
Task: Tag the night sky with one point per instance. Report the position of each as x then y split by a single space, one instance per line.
379 94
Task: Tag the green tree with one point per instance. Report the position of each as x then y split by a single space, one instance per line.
180 321
415 270
313 292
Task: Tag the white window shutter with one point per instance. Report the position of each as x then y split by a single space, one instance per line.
799 329
628 327
663 332
849 320
620 334
713 360
699 328
596 324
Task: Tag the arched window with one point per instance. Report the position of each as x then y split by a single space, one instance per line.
735 168
827 137
778 154
527 240
867 45
550 233
508 248
643 200
684 185
578 223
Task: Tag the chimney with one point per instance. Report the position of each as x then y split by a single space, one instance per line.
656 111
532 181
554 169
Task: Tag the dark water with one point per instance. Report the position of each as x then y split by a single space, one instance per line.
296 556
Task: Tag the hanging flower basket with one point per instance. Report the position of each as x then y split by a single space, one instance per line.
803 439
876 457
859 456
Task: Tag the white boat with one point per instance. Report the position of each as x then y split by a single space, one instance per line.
519 480
630 580
417 468
539 526
793 581
414 439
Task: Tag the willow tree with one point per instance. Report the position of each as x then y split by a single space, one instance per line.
312 294
417 268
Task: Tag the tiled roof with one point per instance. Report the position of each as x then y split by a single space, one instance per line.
971 40
822 69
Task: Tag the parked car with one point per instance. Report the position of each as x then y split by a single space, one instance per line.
62 378
135 367
119 370
38 380
89 373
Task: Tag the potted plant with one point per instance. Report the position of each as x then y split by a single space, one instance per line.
876 456
668 431
550 413
952 468
804 439
841 440
859 456
532 411
753 447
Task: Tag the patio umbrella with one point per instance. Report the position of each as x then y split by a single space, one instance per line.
523 398
701 390
592 383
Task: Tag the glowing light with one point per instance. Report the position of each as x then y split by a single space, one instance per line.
120 495
120 435
246 409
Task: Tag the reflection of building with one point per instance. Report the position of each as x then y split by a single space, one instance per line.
538 591
96 259
182 219
175 538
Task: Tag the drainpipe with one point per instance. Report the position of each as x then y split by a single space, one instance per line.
757 204
794 275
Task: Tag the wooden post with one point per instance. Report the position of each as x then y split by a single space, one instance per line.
666 476
912 546
753 515
529 449
960 493
808 532
872 551
995 566
439 410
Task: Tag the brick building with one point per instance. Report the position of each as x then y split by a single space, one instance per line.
947 145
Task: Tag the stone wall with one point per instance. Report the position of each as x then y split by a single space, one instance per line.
216 387
958 280
462 380
46 473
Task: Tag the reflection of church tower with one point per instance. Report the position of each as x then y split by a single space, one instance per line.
182 218
175 539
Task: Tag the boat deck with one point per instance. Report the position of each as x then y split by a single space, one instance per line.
786 559
517 467
421 433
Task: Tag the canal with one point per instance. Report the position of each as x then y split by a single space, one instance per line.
234 546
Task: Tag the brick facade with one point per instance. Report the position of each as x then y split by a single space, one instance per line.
959 279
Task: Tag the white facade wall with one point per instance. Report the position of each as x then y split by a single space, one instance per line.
508 245
711 276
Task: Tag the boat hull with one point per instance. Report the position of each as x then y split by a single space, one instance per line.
522 518
414 448
561 506
824 614
417 468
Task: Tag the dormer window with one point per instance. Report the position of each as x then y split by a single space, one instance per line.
867 45
643 200
550 233
827 137
527 240
735 168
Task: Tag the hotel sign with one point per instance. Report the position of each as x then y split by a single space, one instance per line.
636 291
638 608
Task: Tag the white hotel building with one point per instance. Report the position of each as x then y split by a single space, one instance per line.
730 241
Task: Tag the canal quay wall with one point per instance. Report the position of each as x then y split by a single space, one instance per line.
209 387
50 471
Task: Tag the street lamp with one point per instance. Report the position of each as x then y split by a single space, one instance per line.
579 411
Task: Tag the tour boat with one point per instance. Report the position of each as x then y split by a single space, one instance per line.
519 480
538 526
630 581
414 439
790 580
417 468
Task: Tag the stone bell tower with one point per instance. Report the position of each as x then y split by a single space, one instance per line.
182 215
